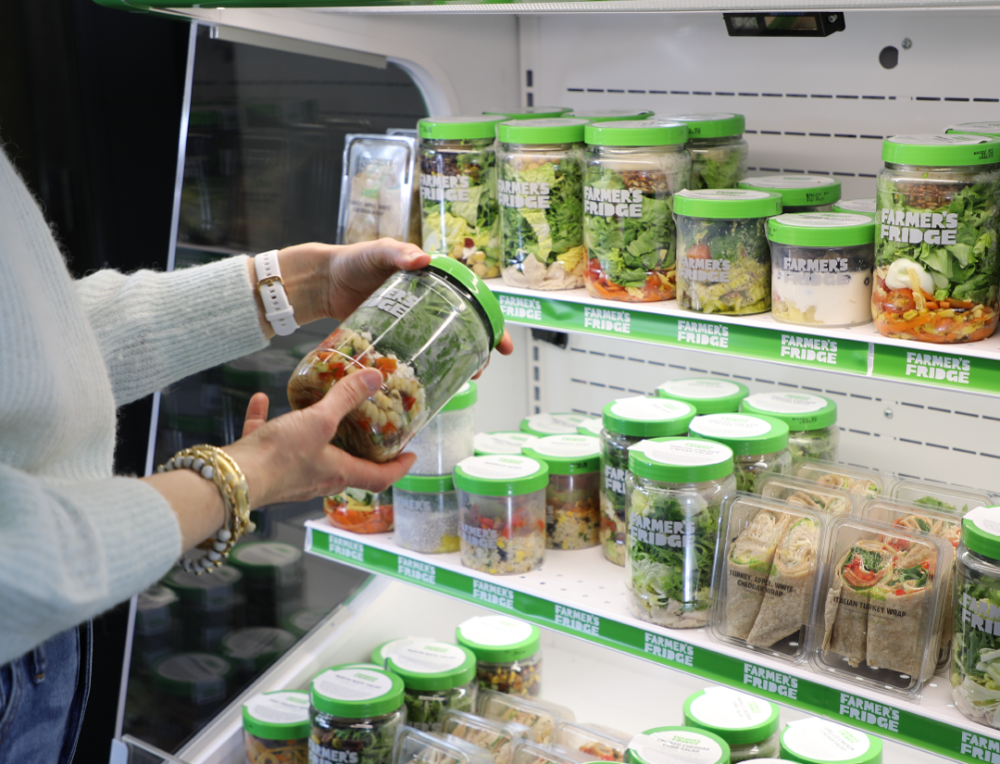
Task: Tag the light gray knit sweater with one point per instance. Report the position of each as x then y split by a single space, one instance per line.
74 540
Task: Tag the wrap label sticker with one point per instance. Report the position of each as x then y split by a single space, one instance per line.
775 682
700 333
525 308
869 712
577 620
493 594
416 570
664 647
349 550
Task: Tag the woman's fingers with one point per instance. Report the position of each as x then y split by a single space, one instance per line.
256 413
373 477
346 395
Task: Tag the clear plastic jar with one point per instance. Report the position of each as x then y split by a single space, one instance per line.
273 577
688 744
437 676
360 511
276 728
723 259
425 512
747 723
759 444
448 437
821 268
626 422
675 489
572 513
540 188
633 171
718 151
392 331
706 394
502 442
799 193
811 420
461 218
190 688
508 653
937 269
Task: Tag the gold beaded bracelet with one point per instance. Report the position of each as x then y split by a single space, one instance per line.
214 464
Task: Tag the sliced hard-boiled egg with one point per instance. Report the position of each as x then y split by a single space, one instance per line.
899 276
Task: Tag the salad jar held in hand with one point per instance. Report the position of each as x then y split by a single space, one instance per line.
718 151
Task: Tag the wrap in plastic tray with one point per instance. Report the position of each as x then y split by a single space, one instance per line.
806 493
495 736
414 746
595 741
377 188
941 496
857 481
539 716
527 752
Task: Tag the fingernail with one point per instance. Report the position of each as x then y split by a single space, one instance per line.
373 380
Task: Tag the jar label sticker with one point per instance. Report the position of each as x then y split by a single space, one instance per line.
502 442
823 219
825 741
352 684
858 205
727 194
643 409
569 446
269 553
393 646
729 709
428 657
684 453
700 389
790 181
991 128
499 467
786 403
193 668
256 641
556 424
495 631
928 139
987 519
730 426
287 707
685 746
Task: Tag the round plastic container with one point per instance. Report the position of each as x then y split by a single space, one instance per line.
818 741
458 199
501 513
357 710
799 193
987 129
540 188
610 115
428 332
437 676
211 605
448 437
723 260
865 206
633 170
541 425
189 688
503 442
253 649
300 622
718 151
626 422
759 444
811 420
936 259
153 612
508 653
530 112
675 488
276 727
689 745
747 723
425 511
821 268
572 513
273 574
707 395
360 511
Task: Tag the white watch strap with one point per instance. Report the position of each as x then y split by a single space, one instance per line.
277 310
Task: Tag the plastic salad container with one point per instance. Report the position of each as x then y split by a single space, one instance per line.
748 723
253 649
941 496
508 653
821 268
540 187
674 488
415 746
595 741
273 574
707 395
436 675
818 741
718 151
626 422
501 513
799 193
856 481
527 752
634 168
936 259
357 710
190 688
276 727
611 115
759 444
426 513
864 206
504 442
554 424
572 511
392 332
541 717
460 217
495 736
360 511
211 605
811 420
681 744
530 112
723 259
447 438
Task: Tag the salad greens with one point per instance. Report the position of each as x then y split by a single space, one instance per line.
814 444
930 501
359 741
975 673
718 166
614 469
425 710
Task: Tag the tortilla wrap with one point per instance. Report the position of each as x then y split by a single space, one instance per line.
896 621
748 563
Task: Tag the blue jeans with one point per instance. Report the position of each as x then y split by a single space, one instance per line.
42 697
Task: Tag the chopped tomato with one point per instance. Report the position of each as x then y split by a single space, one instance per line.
485 522
699 252
408 401
386 365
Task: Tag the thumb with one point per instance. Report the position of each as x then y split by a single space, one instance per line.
348 393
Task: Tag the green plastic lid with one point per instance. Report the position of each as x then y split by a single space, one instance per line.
821 229
610 115
991 129
647 132
425 483
281 715
591 427
499 638
797 190
264 559
432 665
865 206
458 128
553 424
929 150
707 395
209 592
981 531
727 203
745 434
356 693
680 460
736 717
486 299
541 131
503 442
466 396
256 647
819 741
689 745
198 677
711 125
383 651
300 622
530 112
501 475
648 417
800 411
567 454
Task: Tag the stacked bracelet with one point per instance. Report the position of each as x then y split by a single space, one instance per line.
214 464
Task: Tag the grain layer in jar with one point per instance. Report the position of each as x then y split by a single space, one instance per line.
540 188
819 741
610 115
811 420
747 723
723 259
863 206
799 193
360 511
759 444
633 169
448 437
626 422
821 269
937 263
561 423
426 513
460 215
706 394
718 151
428 332
276 728
508 653
437 676
502 442
675 488
572 512
678 744
501 513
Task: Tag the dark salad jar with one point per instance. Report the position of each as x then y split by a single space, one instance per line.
437 676
799 193
508 653
718 151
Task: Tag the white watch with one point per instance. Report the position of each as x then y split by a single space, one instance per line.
277 310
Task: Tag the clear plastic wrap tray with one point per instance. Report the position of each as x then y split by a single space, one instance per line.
377 188
527 752
806 493
495 736
595 741
854 480
417 747
939 496
539 716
